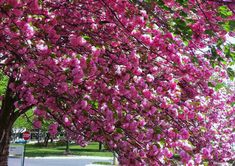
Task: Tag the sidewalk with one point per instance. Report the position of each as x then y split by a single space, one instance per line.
72 157
62 161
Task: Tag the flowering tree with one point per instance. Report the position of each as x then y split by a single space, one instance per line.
134 75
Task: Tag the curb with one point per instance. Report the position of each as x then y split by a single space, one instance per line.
72 157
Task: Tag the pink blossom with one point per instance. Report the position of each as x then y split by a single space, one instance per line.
184 133
198 158
206 152
147 93
185 157
37 124
53 129
77 40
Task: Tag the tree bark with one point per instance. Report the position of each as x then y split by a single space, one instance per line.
5 135
8 115
100 146
46 139
7 118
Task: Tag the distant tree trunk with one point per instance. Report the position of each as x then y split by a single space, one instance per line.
100 146
67 151
52 139
67 147
46 139
38 137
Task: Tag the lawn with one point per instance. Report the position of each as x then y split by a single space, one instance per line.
54 150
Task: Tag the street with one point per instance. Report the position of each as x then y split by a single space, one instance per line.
59 161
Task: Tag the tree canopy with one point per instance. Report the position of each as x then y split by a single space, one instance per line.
134 75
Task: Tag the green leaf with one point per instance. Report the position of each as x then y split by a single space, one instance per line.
95 104
183 2
119 130
181 28
182 13
206 163
232 25
219 86
228 53
186 43
219 42
162 5
53 55
86 37
209 32
214 53
210 84
231 73
158 130
233 104
224 11
195 60
85 113
3 83
229 26
161 143
176 156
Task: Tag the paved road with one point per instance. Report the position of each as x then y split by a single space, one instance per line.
59 161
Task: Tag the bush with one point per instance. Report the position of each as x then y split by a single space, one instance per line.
61 143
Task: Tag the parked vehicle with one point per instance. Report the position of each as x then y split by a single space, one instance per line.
20 141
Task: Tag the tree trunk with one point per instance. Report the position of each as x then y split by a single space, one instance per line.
7 118
5 135
38 137
100 146
46 139
67 151
8 115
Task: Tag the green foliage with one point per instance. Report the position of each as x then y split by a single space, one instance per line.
224 11
23 122
214 58
209 32
61 143
158 130
182 13
219 86
231 73
233 104
162 5
210 84
182 2
3 83
119 130
181 28
94 104
229 26
228 51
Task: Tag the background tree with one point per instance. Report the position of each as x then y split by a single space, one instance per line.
132 75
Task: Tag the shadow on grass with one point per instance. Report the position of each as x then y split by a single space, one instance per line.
43 154
82 150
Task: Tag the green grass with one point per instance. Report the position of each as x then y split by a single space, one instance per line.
53 150
102 163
